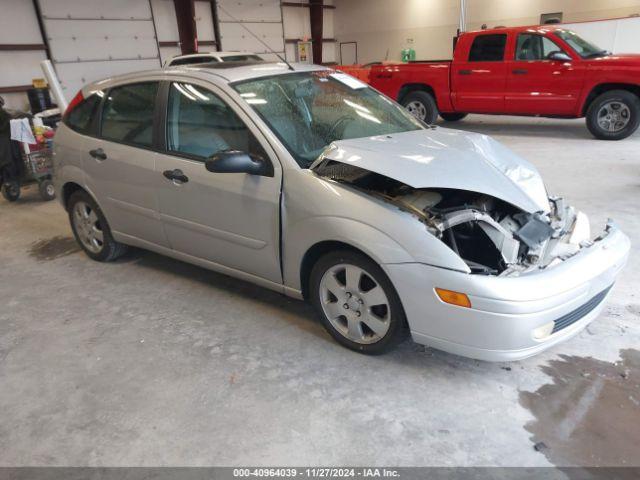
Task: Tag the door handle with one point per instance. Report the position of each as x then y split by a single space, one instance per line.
464 72
98 154
176 175
384 75
520 71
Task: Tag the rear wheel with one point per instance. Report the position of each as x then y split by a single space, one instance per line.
91 229
357 303
452 117
47 191
422 106
614 115
11 191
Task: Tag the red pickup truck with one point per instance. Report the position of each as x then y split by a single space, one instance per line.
542 70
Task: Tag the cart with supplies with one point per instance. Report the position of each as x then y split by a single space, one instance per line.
33 165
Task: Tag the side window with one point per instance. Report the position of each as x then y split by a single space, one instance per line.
534 47
199 123
81 117
127 115
488 48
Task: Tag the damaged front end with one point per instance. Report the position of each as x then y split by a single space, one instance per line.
492 236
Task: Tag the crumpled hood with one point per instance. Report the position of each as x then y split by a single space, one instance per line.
444 158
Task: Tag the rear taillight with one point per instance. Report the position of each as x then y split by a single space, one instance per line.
74 103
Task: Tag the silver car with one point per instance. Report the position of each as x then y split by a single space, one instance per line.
308 182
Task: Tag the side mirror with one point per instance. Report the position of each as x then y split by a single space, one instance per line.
235 161
559 57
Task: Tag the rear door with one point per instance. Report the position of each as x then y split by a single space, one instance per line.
539 85
479 80
120 165
231 219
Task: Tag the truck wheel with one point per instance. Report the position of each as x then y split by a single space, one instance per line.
422 106
452 117
11 191
47 191
614 115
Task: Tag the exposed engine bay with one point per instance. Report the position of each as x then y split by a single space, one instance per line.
492 236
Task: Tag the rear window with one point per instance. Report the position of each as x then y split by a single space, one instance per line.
193 60
81 117
127 115
488 48
242 58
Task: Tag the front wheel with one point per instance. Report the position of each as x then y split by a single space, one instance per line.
422 106
614 115
357 303
452 117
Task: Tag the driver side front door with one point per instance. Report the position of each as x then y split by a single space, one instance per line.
537 85
230 219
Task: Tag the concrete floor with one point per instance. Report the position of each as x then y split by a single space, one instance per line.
149 361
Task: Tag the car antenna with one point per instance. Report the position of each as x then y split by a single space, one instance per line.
255 36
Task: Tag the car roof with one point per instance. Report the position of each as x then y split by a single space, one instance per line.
225 72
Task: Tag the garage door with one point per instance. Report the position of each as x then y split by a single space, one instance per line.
264 19
94 39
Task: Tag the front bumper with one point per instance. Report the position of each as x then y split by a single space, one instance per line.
506 310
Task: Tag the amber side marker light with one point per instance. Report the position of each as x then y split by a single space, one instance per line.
454 298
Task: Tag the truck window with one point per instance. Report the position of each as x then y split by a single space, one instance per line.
534 47
488 48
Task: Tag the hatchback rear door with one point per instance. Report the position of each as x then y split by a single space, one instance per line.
120 164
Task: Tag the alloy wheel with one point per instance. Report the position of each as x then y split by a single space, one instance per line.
87 227
614 116
417 109
355 304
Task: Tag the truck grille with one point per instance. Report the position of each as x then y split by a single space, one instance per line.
572 317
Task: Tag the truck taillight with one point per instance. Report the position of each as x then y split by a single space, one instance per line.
74 102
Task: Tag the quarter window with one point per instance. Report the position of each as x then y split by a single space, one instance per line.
81 117
535 47
200 124
127 115
488 48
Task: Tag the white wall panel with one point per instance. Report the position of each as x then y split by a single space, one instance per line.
204 21
164 14
75 75
94 39
249 11
105 9
18 22
81 40
235 38
617 36
19 68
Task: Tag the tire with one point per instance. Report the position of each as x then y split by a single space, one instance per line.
11 191
622 107
452 117
47 191
422 106
104 249
373 299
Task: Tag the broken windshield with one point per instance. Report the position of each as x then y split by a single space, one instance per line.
309 110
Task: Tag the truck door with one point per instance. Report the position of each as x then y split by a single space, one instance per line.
479 80
538 84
